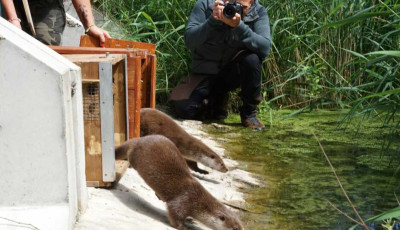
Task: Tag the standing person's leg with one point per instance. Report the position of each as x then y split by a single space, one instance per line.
49 21
48 17
243 72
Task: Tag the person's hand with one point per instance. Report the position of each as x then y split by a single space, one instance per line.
101 34
232 22
218 14
217 10
16 22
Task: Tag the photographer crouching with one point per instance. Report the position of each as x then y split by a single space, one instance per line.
228 43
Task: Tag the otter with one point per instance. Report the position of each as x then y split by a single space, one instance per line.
161 165
153 121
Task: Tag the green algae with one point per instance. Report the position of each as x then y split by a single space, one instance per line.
299 182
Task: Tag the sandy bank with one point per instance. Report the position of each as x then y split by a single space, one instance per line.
133 205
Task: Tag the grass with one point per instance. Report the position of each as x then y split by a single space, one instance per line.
325 54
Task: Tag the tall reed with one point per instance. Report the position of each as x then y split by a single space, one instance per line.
320 50
325 54
158 22
319 47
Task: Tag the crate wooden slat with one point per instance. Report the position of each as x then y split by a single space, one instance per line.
148 66
120 108
152 82
134 94
88 41
97 50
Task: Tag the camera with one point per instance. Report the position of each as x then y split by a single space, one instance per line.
231 8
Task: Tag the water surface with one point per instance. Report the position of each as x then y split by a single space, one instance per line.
299 181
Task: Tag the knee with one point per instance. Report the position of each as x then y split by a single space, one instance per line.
251 61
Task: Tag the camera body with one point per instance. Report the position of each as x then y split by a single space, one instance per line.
231 8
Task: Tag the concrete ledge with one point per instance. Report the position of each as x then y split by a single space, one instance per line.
54 217
41 134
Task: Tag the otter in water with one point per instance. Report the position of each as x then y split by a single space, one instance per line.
153 121
161 165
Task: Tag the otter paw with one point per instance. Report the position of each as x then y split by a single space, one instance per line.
201 171
193 166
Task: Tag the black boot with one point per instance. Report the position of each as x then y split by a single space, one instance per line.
220 107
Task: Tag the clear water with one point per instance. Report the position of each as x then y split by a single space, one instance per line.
299 183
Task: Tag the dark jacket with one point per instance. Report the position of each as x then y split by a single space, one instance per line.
214 44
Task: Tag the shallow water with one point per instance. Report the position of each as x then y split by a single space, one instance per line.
298 180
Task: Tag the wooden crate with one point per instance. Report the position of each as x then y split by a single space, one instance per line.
105 114
148 65
135 59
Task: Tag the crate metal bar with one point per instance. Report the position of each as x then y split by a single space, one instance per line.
126 99
107 121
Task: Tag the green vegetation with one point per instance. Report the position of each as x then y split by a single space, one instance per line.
325 54
299 182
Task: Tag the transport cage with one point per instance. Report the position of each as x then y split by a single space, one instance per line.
148 64
136 60
104 93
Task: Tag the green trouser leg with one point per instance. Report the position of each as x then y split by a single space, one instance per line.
48 18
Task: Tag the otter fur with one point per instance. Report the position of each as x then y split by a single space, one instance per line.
161 165
153 121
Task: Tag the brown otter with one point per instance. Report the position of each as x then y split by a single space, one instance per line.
161 165
153 121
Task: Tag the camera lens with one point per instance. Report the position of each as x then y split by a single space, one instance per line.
229 11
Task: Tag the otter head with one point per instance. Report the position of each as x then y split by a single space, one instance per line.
224 219
207 157
214 162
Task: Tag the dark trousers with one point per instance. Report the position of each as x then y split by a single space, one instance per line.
244 72
209 96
